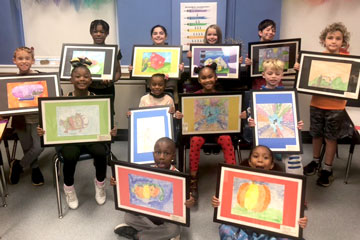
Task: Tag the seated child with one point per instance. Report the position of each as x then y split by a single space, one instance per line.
151 228
260 157
81 79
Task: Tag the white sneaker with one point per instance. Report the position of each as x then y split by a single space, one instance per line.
100 194
71 198
176 238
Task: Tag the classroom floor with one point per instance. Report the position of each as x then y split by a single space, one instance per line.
31 213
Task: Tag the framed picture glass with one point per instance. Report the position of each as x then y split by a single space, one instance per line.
103 58
19 94
285 50
276 117
264 201
211 113
330 75
152 192
146 126
225 56
149 59
69 120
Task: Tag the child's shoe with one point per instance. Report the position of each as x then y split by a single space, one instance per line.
176 238
36 177
125 230
326 178
71 198
15 171
311 168
100 194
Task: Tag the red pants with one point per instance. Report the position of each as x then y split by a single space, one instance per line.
197 142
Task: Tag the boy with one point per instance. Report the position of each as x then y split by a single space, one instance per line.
327 114
141 227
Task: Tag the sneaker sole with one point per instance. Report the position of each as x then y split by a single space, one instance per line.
331 179
37 184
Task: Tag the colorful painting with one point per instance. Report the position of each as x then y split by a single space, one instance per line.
210 114
153 62
275 120
226 57
281 53
25 94
330 75
97 59
151 193
258 200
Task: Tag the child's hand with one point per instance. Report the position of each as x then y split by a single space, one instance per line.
190 202
172 110
181 67
247 61
251 122
40 131
130 68
178 115
241 59
243 115
189 53
215 202
300 125
112 181
106 81
303 222
128 114
297 66
113 132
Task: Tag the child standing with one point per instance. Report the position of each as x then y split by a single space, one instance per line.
150 228
326 113
260 157
25 128
207 79
81 79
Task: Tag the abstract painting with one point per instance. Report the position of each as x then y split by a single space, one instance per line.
97 60
225 56
281 53
264 201
25 94
151 193
208 114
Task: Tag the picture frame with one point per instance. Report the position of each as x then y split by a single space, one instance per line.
3 124
149 59
276 116
286 50
104 57
71 120
168 204
19 93
147 125
331 75
225 55
210 113
276 214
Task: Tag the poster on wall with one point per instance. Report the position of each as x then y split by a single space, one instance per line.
194 19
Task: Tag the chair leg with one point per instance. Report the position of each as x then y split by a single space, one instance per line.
58 194
348 165
2 188
239 152
3 180
8 156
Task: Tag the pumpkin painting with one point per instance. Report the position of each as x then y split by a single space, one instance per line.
253 196
147 191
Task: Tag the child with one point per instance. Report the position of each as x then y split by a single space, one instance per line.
273 73
99 30
144 228
26 128
326 113
81 79
260 157
207 79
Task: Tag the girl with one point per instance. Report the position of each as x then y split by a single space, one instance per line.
207 79
25 127
99 30
260 157
81 79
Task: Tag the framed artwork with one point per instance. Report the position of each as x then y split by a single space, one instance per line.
276 117
3 124
146 126
211 113
103 58
225 56
152 192
286 50
265 201
330 75
19 94
69 120
149 59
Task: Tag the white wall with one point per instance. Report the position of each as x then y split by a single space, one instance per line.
47 26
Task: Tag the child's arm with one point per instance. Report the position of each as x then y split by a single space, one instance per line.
178 115
300 125
190 202
251 122
112 181
40 131
243 115
215 202
113 132
303 222
247 60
